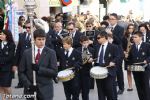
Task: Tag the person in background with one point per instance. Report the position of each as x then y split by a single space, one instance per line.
2 15
23 44
146 33
75 35
127 42
21 24
7 50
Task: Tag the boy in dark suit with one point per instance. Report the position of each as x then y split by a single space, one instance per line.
71 57
87 55
45 67
140 53
106 55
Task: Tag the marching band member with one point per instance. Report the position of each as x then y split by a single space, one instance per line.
45 67
74 34
117 32
7 50
71 57
106 55
23 44
140 53
87 55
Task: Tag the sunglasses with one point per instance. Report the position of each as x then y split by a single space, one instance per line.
98 38
88 26
28 27
70 29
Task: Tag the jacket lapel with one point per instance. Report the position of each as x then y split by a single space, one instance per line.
106 51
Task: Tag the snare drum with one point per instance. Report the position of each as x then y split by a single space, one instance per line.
98 72
65 75
137 68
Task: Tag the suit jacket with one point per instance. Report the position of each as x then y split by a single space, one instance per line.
118 35
74 60
76 39
6 57
141 55
47 70
111 55
95 42
23 44
148 37
86 67
49 36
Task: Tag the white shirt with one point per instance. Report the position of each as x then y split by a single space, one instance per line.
73 34
139 45
59 32
36 50
113 26
70 51
144 37
105 46
28 34
3 43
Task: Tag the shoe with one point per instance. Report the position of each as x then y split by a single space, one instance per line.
18 86
55 80
129 89
120 92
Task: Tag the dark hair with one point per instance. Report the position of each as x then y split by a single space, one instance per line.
9 36
127 34
114 15
104 23
27 22
106 17
103 34
84 38
20 20
143 25
139 33
39 33
71 23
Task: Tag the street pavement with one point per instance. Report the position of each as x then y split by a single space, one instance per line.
59 93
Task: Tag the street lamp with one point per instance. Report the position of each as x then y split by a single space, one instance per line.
30 5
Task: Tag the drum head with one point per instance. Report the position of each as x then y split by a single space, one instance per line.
98 69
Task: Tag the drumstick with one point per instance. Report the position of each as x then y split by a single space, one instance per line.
139 63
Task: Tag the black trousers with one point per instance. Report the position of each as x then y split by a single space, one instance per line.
142 84
71 89
106 88
120 76
85 85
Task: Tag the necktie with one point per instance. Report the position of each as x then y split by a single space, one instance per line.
101 55
28 38
67 54
137 49
37 57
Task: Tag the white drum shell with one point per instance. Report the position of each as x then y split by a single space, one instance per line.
65 75
98 72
